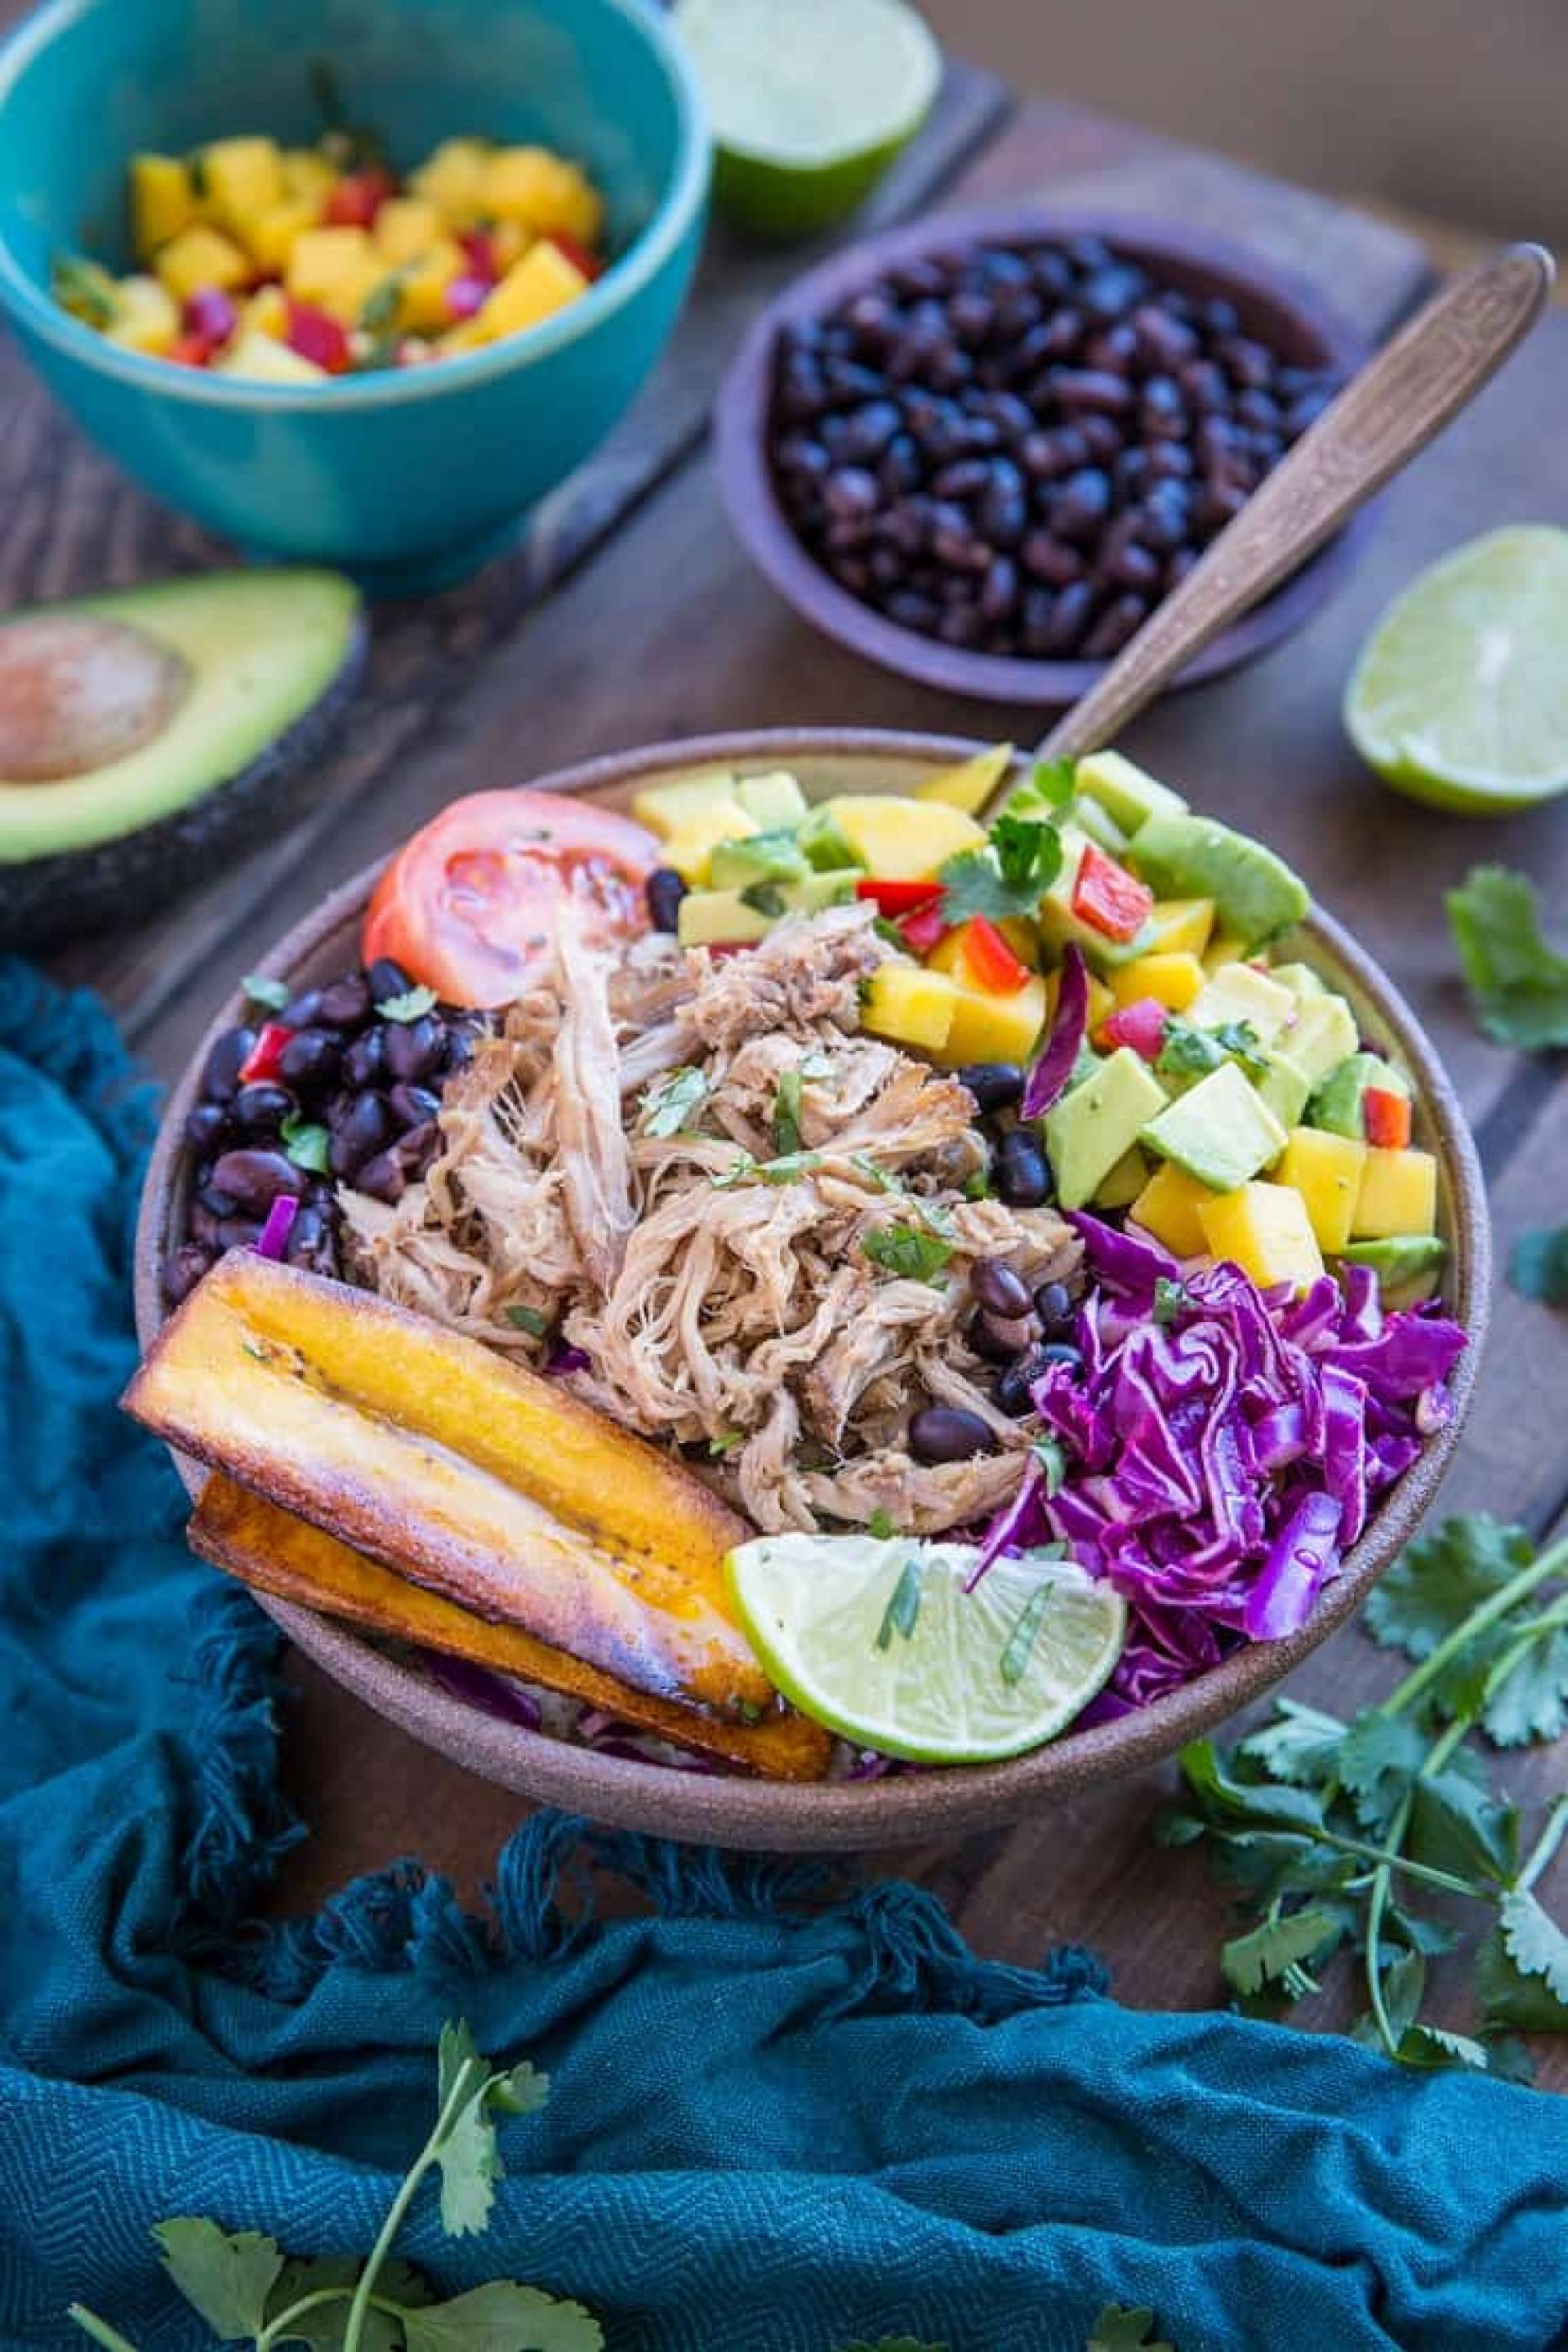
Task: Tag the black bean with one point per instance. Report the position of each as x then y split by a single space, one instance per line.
1112 291
1169 460
383 1178
663 892
1248 364
1101 437
387 979
1219 316
913 610
1307 410
995 1086
960 625
414 1049
220 1071
1036 621
200 1225
1023 1174
414 1106
1112 349
1051 559
364 1063
1054 1306
1012 416
240 1232
1070 617
346 1003
1120 621
462 1038
301 1011
1162 341
999 589
964 479
254 1178
1080 505
850 493
996 1285
960 547
1163 413
1000 1338
1218 503
311 1058
1060 1352
206 1127
261 1108
900 468
216 1201
972 316
310 1241
365 1128
184 1269
1092 392
1205 384
945 1433
1011 1393
1164 520
415 1150
799 455
1132 566
871 316
1003 512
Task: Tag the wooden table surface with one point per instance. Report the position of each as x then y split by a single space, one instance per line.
630 614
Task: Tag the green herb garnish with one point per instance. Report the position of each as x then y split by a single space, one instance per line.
1241 1040
1538 1264
248 2290
903 1608
1051 1455
1518 984
412 1005
1331 1833
273 994
531 1319
1013 1662
1186 1052
84 290
1171 1299
786 1130
1009 876
675 1104
307 1143
881 1526
785 1171
1050 785
907 1250
726 1442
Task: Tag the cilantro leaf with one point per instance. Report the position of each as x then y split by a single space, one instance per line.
226 2277
1120 2330
471 2093
1187 1052
1009 876
786 1130
1518 984
1531 1703
881 1526
307 1143
1441 1577
727 1442
1379 1757
273 994
1459 1826
1273 1950
1301 1744
1511 1998
1538 1266
1434 2045
1171 1299
531 1319
907 1250
412 1005
675 1104
1049 784
743 1168
502 2318
1534 1942
902 1613
322 2329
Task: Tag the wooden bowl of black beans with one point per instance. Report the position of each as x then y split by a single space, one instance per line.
980 450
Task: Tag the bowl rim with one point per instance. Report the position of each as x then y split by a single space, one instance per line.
678 211
757 516
902 1808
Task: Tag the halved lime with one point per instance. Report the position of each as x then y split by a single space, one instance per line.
1460 697
881 1641
810 101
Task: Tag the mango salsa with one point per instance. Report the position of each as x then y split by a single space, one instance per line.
1398 1195
1265 1230
1327 1171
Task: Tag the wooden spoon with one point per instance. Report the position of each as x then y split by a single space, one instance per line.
1401 399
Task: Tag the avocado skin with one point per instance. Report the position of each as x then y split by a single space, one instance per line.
44 900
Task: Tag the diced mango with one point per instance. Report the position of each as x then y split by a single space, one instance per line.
336 269
1172 980
307 175
241 178
971 785
201 257
422 289
1327 1170
995 1028
407 227
690 848
665 808
910 1005
454 181
901 840
262 359
271 236
1398 1195
266 312
533 289
1168 1208
146 316
543 192
1224 950
163 202
1265 1230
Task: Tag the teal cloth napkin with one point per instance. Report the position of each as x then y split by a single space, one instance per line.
776 2126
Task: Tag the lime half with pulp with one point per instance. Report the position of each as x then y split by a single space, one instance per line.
1460 697
810 101
881 1641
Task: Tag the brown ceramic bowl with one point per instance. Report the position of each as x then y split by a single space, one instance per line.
1273 308
748 1814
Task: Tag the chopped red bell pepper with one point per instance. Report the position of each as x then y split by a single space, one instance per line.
996 969
925 929
1385 1117
577 255
479 248
264 1058
896 898
189 350
320 337
358 197
1141 1025
1108 899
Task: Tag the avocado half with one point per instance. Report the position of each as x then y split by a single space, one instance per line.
144 733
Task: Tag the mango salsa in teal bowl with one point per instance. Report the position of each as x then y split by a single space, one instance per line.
406 476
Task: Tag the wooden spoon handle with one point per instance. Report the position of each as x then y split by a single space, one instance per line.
1401 399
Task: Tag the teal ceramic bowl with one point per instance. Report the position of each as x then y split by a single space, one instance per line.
410 478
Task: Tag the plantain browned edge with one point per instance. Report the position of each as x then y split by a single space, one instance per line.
274 1552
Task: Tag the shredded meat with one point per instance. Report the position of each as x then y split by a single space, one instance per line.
675 1165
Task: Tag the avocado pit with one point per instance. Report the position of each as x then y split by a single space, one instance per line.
78 693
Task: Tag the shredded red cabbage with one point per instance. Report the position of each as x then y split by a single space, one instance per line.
1063 1046
1221 1461
273 1238
564 1358
494 1694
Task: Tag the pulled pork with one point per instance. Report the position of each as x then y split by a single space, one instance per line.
753 1220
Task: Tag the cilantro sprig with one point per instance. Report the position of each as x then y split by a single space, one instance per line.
248 2290
1009 876
1518 983
1331 1834
907 1249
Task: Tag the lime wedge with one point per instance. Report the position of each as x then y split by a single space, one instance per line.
881 1641
810 101
1460 697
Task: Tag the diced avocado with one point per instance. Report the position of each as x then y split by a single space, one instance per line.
666 808
762 857
1300 979
821 841
816 891
1221 1131
1323 1034
1060 926
1184 856
1285 1087
776 802
1100 827
147 731
1239 993
711 918
1127 793
1126 1181
1338 1103
1402 1261
1098 1121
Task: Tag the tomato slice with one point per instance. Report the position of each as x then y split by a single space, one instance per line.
1108 899
1385 1117
470 905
